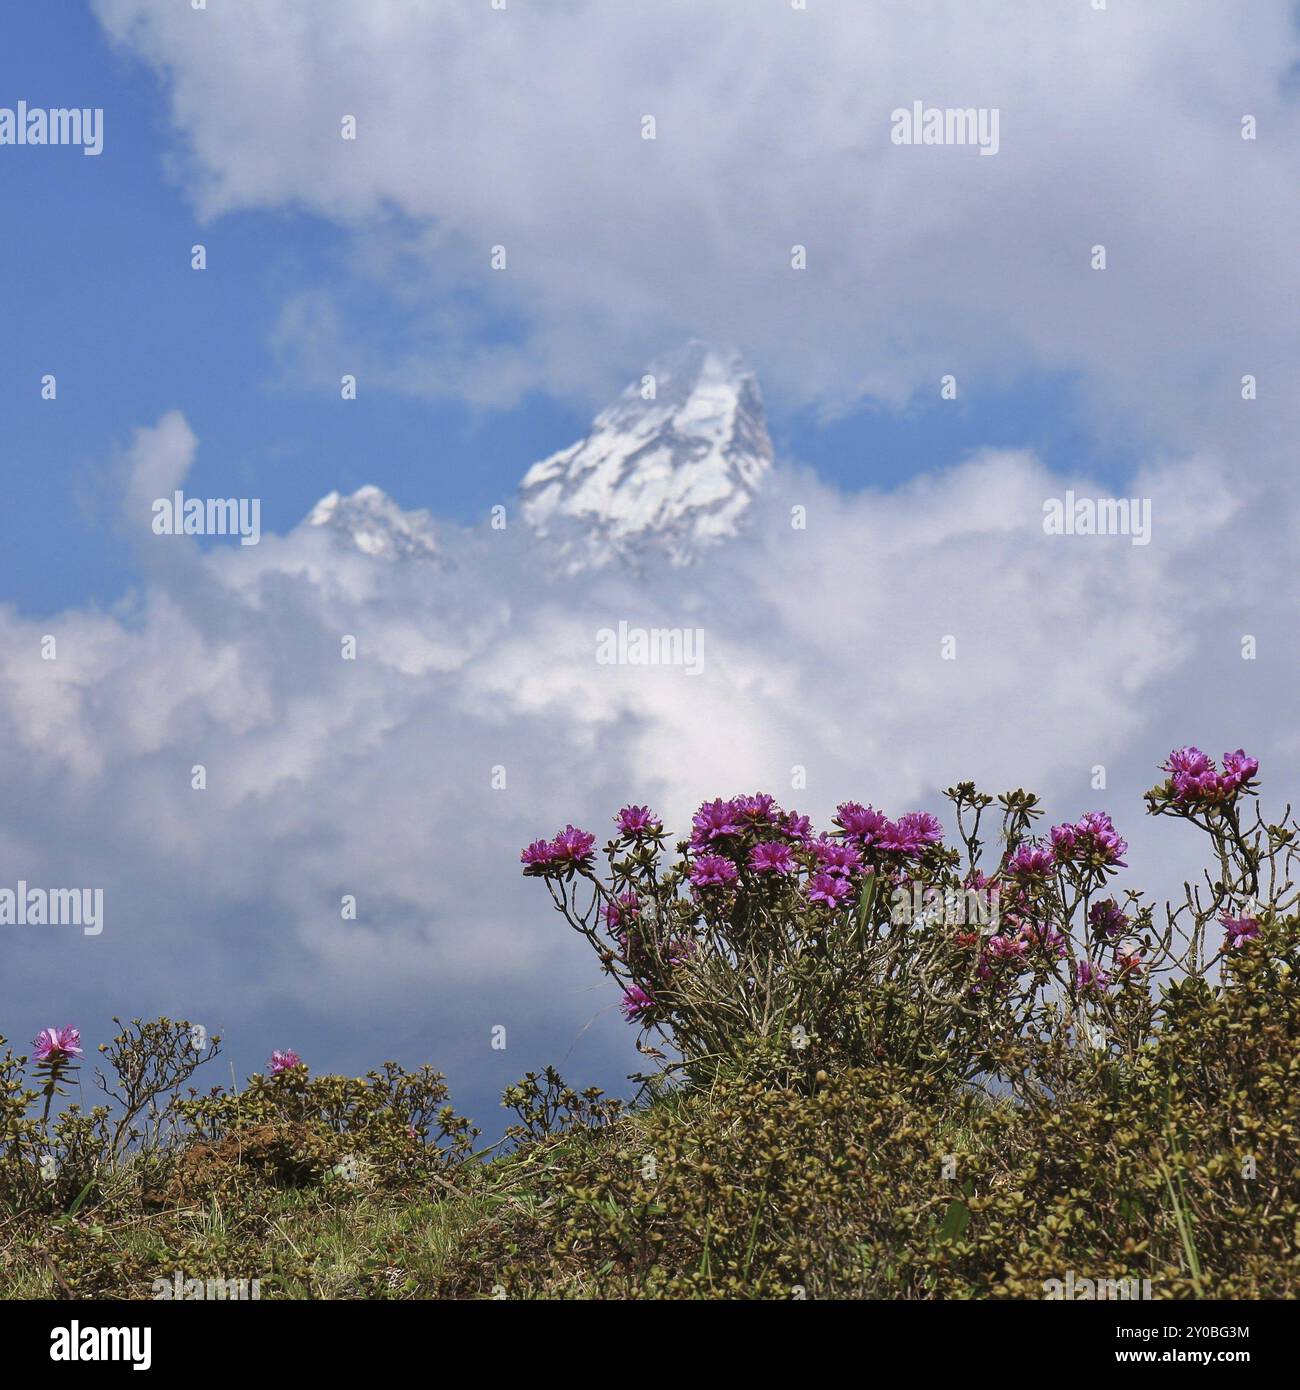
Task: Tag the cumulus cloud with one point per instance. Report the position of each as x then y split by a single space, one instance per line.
822 650
522 128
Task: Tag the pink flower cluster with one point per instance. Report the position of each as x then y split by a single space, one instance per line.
621 910
1092 839
829 888
1006 954
910 835
1031 863
571 847
741 844
771 857
747 859
1196 780
838 857
283 1061
719 820
1107 919
1090 978
722 836
713 870
636 821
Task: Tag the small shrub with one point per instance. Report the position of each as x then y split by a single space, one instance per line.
546 1106
392 1123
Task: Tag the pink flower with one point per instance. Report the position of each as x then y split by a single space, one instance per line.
1196 779
1186 764
1007 947
1238 769
795 826
829 889
283 1061
1098 836
838 857
572 846
1046 937
1106 918
56 1045
1089 978
771 857
635 1003
1031 862
913 833
1093 839
1063 841
626 905
1238 930
759 809
713 820
712 869
863 823
537 856
638 820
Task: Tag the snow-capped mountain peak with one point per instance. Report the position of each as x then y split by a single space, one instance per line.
372 522
672 465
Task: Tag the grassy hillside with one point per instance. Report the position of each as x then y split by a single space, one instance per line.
872 1184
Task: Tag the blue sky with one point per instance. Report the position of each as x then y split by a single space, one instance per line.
107 300
478 126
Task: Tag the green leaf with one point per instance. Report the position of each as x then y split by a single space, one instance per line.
955 1220
81 1197
868 896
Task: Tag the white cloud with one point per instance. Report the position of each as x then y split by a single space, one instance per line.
822 648
522 127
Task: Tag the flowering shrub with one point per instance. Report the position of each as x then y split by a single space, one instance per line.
49 1163
154 1136
392 1125
877 939
1178 1168
103 1202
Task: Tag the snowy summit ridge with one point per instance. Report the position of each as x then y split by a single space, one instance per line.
671 466
667 469
373 523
